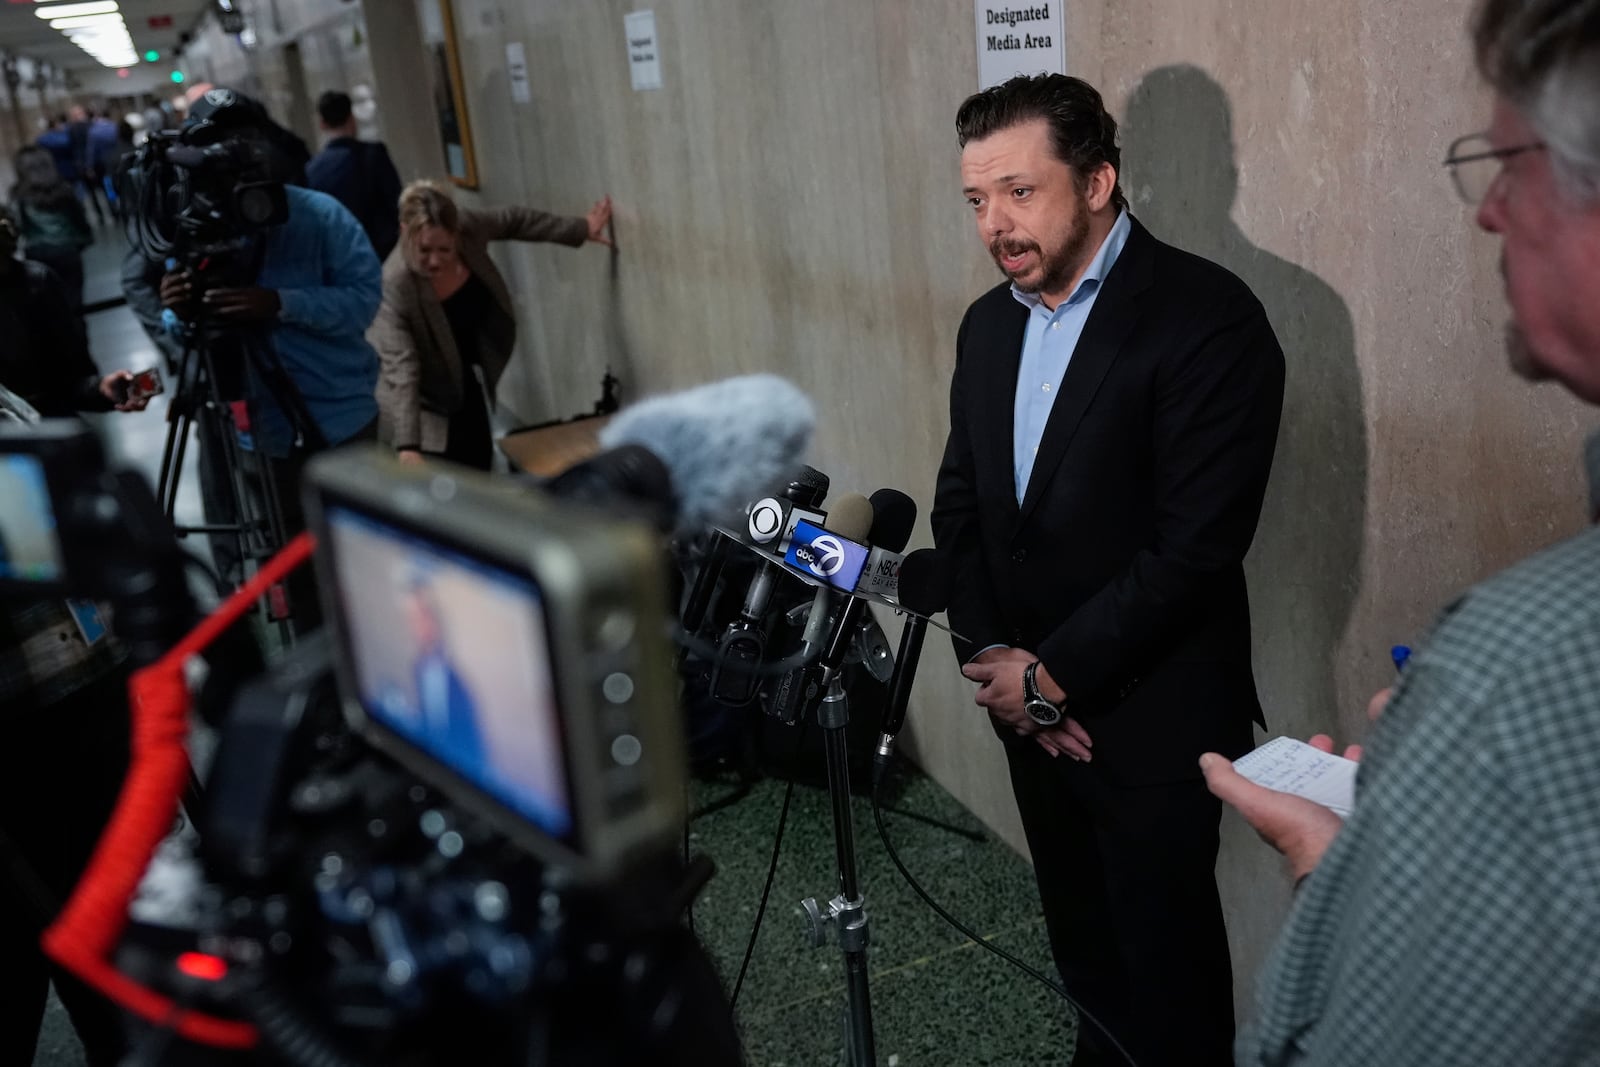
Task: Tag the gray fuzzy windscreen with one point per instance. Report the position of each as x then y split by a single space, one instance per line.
726 443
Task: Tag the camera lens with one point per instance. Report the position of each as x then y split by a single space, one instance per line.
255 206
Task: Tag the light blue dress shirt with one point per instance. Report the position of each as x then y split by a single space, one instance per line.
1047 349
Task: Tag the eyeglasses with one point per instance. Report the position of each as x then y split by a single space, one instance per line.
1475 163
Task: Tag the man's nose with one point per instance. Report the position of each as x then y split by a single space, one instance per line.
995 220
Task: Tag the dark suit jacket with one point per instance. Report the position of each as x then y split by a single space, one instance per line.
1122 568
361 176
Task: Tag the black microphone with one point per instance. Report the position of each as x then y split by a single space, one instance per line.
806 489
927 584
860 525
893 516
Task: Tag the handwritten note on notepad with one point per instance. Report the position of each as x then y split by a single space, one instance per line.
1291 766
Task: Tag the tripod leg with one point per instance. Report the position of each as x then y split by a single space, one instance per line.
849 909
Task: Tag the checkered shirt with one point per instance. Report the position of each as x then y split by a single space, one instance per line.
1456 917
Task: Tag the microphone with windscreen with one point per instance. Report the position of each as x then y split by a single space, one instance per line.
927 584
692 459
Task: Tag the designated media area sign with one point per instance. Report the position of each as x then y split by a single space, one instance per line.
644 57
1019 38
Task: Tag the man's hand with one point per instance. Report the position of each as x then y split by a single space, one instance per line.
599 218
252 304
1066 738
114 387
1300 829
177 288
1379 701
998 672
411 456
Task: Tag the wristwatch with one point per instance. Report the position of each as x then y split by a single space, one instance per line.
1042 711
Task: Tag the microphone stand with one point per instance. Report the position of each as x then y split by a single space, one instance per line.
846 913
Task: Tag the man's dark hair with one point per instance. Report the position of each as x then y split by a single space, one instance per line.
334 107
1084 133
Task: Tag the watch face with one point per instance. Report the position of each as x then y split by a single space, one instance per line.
1042 713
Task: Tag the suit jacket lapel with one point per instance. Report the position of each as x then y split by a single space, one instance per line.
1113 318
997 400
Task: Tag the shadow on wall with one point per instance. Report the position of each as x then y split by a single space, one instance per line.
1304 567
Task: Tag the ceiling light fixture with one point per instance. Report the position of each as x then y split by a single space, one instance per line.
67 11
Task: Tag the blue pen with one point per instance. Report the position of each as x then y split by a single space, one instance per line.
1400 654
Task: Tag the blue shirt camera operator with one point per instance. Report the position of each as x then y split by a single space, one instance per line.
317 291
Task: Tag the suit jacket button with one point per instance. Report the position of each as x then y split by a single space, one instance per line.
1019 555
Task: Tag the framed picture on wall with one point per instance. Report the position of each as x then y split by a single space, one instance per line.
449 95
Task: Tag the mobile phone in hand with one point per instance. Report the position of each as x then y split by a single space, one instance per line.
142 386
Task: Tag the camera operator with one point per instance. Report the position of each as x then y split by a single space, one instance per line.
316 291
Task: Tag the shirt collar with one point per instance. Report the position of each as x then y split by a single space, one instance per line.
1104 259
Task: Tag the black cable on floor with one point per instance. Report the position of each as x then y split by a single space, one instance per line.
1055 987
772 870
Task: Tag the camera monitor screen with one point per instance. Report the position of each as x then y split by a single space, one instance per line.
451 654
29 551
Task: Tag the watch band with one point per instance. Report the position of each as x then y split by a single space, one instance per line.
1041 710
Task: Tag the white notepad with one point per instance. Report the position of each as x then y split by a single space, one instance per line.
1291 766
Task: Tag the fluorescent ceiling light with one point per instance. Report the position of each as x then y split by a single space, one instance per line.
95 27
67 11
79 22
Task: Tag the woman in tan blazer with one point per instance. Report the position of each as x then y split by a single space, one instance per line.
447 317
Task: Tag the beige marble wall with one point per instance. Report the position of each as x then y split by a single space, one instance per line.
789 201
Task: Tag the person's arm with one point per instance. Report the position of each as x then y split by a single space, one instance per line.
352 279
1454 918
955 519
386 182
1215 425
399 370
386 187
141 280
71 380
527 224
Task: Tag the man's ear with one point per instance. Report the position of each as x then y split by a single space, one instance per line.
1102 180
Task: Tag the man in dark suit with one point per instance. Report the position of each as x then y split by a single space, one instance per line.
358 174
1113 413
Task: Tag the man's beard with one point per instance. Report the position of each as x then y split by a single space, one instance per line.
1054 270
1524 362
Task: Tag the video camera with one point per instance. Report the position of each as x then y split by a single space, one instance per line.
455 815
204 190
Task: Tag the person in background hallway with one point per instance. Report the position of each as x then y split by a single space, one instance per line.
1453 918
358 174
57 140
86 186
63 686
105 150
1113 415
447 317
155 119
50 218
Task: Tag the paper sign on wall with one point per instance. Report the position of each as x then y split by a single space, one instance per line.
644 57
1019 38
517 71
